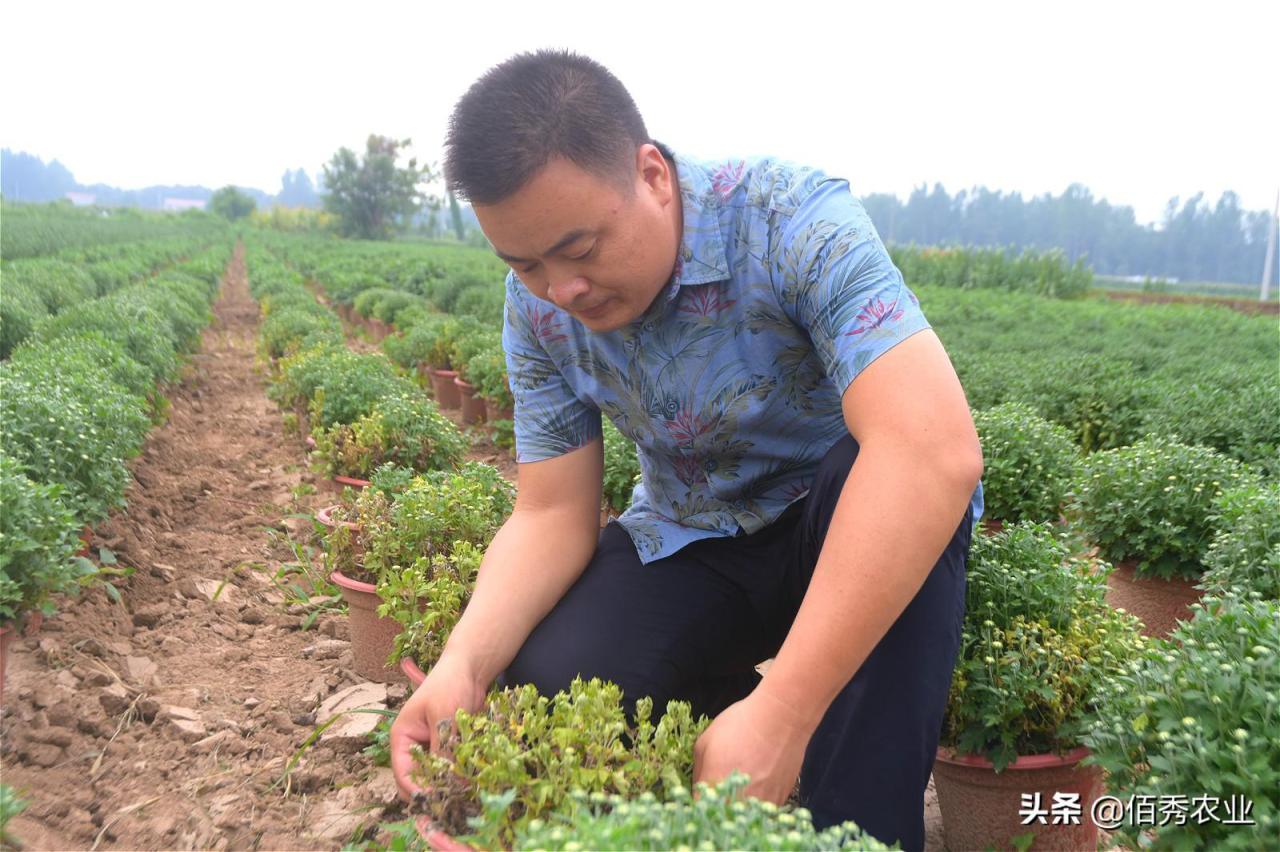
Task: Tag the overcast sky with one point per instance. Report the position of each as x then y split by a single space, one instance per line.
1138 101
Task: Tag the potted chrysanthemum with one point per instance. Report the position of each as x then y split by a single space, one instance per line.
1149 509
1038 648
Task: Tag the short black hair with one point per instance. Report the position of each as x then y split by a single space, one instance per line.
534 108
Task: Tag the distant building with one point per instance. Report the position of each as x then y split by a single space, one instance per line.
1141 279
81 199
177 205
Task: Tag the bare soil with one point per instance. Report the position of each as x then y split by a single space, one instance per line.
168 720
1244 306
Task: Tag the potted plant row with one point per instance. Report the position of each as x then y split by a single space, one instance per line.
406 430
487 370
429 346
392 543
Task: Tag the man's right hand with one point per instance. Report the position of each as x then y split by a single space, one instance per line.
450 686
535 557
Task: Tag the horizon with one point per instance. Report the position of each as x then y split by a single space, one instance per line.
935 94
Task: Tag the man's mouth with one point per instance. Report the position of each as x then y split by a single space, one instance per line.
595 312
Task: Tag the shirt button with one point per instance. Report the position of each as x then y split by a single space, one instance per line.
650 325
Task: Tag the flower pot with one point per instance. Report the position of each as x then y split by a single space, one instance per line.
373 637
1159 603
32 624
6 633
447 394
351 481
325 518
472 405
492 412
86 541
410 668
437 840
990 526
981 808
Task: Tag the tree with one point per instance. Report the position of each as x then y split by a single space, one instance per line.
455 218
373 196
296 190
231 203
25 177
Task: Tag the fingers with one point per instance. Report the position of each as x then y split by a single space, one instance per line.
402 761
699 747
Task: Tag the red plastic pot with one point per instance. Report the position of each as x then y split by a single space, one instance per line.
447 394
325 518
86 541
472 405
1159 603
981 809
990 526
410 668
351 481
373 637
493 412
437 840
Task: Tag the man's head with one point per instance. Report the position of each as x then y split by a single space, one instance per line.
552 153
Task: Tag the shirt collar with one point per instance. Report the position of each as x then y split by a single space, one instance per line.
701 258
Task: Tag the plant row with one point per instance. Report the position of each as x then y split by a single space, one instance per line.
39 230
41 287
1046 667
77 399
1043 273
1172 509
445 306
1111 373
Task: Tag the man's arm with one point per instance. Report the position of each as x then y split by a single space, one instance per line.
533 560
918 463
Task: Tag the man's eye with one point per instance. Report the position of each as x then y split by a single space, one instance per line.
584 255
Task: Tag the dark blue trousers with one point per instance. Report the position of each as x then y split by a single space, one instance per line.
692 626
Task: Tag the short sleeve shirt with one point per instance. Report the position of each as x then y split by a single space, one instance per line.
730 384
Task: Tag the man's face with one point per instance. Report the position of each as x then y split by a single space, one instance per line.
586 245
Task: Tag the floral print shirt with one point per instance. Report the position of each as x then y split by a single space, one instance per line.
730 384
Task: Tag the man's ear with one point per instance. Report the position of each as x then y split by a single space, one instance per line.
653 170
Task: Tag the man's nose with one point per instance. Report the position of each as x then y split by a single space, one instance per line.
564 292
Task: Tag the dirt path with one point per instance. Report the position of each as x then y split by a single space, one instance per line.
165 721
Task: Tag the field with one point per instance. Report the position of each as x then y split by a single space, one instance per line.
194 415
1215 289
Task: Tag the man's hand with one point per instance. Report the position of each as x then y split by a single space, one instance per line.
448 688
759 736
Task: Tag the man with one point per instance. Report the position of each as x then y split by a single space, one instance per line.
810 468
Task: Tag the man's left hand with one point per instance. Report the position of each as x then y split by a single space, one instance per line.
759 736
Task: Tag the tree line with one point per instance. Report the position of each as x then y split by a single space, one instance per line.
1196 240
374 194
